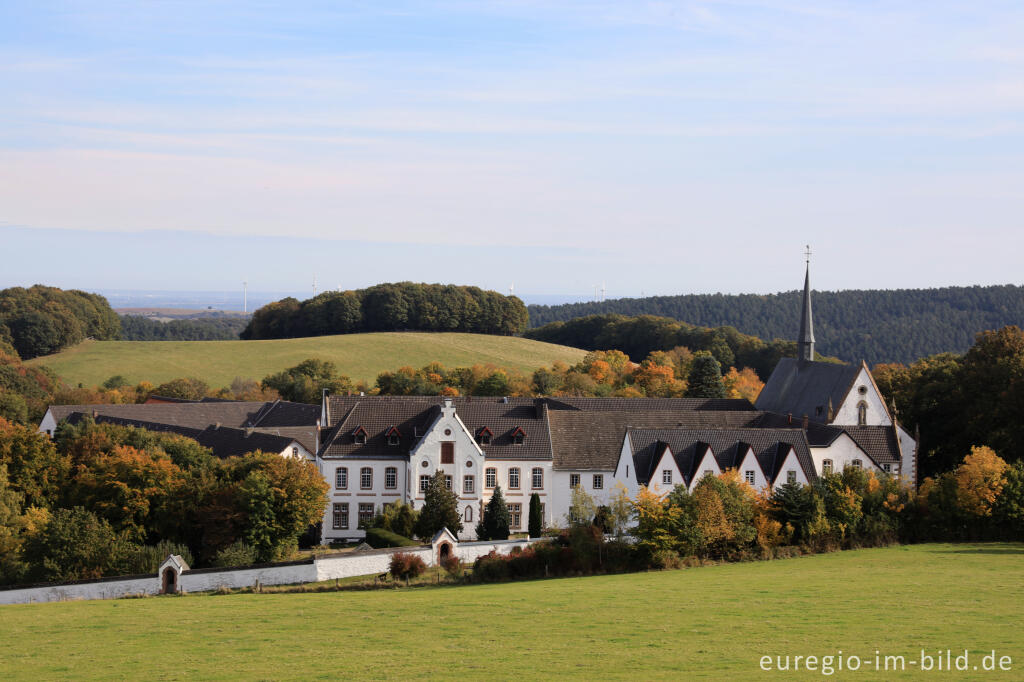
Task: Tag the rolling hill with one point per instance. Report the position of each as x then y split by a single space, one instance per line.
360 356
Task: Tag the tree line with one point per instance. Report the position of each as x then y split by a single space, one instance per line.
111 500
402 306
900 325
42 320
139 328
642 335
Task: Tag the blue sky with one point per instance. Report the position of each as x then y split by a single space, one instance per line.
659 147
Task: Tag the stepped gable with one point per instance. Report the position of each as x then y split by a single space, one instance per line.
413 415
688 447
592 439
223 441
803 388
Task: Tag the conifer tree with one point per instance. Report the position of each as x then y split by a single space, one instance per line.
495 522
536 519
705 380
440 509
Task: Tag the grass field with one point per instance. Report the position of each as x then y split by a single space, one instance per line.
712 622
360 356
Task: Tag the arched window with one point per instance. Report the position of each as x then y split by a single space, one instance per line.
862 414
468 516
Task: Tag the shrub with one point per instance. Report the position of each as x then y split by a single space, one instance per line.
490 568
236 554
666 558
406 565
452 565
379 538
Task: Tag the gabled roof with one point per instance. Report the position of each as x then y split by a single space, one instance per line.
805 388
223 441
650 404
291 420
413 415
729 446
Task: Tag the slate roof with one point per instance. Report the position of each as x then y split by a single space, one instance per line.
729 446
592 440
413 415
804 388
281 418
880 442
223 441
651 404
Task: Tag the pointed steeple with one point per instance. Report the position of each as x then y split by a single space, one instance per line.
805 342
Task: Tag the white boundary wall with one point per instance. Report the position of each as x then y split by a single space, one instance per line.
331 567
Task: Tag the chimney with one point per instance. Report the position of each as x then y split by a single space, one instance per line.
806 422
789 418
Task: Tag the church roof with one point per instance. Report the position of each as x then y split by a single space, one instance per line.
803 388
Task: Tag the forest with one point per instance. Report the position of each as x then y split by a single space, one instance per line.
139 328
898 325
402 306
41 320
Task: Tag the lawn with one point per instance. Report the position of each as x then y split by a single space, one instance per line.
712 622
360 356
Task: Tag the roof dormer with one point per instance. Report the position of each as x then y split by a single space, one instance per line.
359 435
518 435
393 435
484 435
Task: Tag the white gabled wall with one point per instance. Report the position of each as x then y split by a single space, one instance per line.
750 463
707 463
846 413
843 451
666 463
908 447
791 463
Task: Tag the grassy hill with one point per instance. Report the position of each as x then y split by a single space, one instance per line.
360 356
708 623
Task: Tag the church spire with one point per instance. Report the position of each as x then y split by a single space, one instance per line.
805 342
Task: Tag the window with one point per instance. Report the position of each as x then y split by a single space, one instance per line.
862 414
518 435
391 478
341 516
574 480
598 481
295 452
666 476
857 464
826 466
513 478
448 482
515 515
393 438
537 478
366 478
448 452
424 483
365 512
484 436
707 472
468 515
359 435
490 478
749 476
468 484
790 477
887 468
341 478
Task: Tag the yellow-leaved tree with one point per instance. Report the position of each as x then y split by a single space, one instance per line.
979 480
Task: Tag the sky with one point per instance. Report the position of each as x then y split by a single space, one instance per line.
654 147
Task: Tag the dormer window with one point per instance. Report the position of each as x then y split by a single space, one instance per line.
393 436
359 436
518 436
483 436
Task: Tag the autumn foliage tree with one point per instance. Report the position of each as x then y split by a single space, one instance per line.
980 480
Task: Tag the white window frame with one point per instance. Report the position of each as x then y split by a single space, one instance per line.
666 476
537 478
513 475
574 480
490 478
515 514
391 478
339 520
750 476
598 481
790 476
468 484
827 466
424 482
366 478
341 478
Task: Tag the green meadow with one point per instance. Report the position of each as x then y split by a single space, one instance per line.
360 356
714 622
